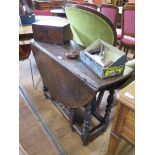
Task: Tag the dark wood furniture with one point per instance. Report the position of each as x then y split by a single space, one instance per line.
56 30
90 5
58 12
119 2
42 5
45 5
25 33
72 85
124 123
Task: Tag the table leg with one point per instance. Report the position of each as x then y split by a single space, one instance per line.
99 98
86 124
45 90
72 117
94 111
110 100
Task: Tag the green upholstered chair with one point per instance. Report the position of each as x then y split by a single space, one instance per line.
128 66
131 64
88 25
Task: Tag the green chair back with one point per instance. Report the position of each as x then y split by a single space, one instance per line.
88 25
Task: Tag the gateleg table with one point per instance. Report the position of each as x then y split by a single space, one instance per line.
72 85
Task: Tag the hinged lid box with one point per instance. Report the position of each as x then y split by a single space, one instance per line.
55 30
104 59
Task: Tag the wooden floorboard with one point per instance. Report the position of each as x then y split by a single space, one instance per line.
32 137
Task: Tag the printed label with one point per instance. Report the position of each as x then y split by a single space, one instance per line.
113 71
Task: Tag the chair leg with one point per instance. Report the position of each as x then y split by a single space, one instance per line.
31 72
127 48
120 46
134 55
133 51
124 48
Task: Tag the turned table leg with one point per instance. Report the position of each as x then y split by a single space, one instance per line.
45 90
72 117
110 100
86 124
99 98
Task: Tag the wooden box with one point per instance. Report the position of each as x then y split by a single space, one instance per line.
55 30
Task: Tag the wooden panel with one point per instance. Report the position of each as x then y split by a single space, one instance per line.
124 124
62 83
131 116
130 126
42 5
55 31
128 135
128 131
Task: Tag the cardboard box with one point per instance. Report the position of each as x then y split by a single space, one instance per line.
99 63
56 30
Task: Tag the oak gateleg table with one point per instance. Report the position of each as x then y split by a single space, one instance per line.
72 85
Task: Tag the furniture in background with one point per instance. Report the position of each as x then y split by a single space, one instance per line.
48 5
111 11
42 5
79 1
119 21
54 31
72 85
90 5
97 2
58 12
119 2
25 35
72 2
26 12
25 7
124 123
131 1
42 12
88 25
128 28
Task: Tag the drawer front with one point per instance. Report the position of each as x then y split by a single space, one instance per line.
128 131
